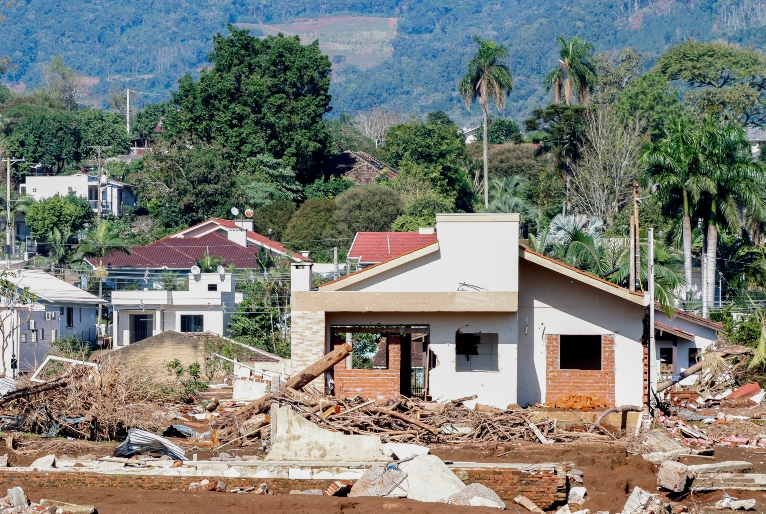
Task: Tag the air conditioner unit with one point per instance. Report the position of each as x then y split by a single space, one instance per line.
32 324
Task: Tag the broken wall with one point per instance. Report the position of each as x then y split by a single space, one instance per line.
375 384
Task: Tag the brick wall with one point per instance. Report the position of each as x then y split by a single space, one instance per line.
575 388
546 488
307 340
375 384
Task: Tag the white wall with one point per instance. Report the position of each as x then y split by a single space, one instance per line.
482 254
550 303
40 187
496 388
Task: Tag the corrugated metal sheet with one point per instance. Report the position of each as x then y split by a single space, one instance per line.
49 288
141 441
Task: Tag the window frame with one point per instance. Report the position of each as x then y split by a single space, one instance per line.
187 318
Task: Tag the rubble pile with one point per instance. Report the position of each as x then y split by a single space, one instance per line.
89 403
16 502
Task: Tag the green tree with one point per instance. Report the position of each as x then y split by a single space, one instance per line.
57 212
312 229
275 217
487 78
422 213
327 188
366 209
264 179
575 71
148 119
507 195
434 144
63 83
503 130
650 97
42 135
417 180
614 72
262 96
721 78
99 127
101 240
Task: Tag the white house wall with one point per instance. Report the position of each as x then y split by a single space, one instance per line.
703 338
496 388
552 304
493 244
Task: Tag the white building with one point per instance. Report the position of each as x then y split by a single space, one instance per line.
60 310
206 307
494 319
681 341
114 194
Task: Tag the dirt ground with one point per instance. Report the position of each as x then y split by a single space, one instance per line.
609 474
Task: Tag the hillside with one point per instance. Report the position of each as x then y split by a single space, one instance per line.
404 54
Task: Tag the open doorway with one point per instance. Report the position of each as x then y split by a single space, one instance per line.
387 360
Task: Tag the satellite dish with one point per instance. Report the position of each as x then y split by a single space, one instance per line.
234 211
195 270
249 213
221 272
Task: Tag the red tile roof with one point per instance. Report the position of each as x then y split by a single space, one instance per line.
693 318
183 253
375 247
662 327
253 237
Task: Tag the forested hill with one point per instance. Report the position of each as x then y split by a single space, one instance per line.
409 60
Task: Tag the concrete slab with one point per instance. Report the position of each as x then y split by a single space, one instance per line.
297 439
429 479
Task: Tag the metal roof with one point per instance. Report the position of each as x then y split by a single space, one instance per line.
51 289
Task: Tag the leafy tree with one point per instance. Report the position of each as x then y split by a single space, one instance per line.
99 127
148 119
433 144
650 97
346 137
438 118
41 135
57 212
366 209
503 130
275 217
327 188
487 78
507 195
417 180
183 185
311 228
64 84
615 71
422 213
264 179
722 79
262 96
574 73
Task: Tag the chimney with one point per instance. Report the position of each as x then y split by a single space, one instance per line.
426 230
301 276
246 224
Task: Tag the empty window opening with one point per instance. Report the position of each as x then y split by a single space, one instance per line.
666 361
192 323
580 352
212 287
695 356
70 316
475 351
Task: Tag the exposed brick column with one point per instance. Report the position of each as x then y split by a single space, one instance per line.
578 388
375 384
307 339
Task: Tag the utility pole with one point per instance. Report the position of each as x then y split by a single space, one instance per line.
8 222
636 242
652 349
335 273
99 148
127 112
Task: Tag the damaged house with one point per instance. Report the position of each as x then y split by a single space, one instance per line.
473 312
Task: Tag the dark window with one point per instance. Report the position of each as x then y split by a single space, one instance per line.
580 352
70 316
191 323
141 327
666 360
42 334
475 352
212 287
695 356
61 311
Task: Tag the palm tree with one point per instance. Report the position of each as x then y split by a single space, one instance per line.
574 72
736 185
506 196
674 162
487 78
101 240
57 244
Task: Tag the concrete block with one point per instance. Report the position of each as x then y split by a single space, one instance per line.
46 462
577 495
68 508
299 474
207 465
528 504
429 479
378 481
404 451
673 476
730 466
637 501
17 498
477 495
4 461
299 440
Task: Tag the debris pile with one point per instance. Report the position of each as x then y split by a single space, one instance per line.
89 403
16 502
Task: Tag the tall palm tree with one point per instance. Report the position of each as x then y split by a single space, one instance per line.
675 163
575 71
736 185
487 77
506 196
101 240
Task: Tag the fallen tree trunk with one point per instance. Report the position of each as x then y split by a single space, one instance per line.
692 370
35 389
297 382
404 418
